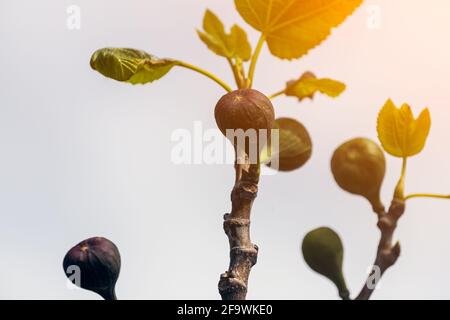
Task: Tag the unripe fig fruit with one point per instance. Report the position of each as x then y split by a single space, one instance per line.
98 262
246 109
294 147
358 167
323 252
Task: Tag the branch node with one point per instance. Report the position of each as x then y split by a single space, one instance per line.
244 253
396 250
231 287
397 208
245 190
236 222
386 223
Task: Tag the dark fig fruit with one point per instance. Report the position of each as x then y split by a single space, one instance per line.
324 253
98 262
358 167
246 109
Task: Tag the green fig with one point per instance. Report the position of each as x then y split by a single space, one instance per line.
358 167
294 147
324 253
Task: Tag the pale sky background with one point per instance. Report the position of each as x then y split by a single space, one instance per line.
82 155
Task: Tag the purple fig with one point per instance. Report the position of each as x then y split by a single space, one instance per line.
98 262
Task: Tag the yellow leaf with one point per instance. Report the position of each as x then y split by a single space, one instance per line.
238 41
232 45
308 84
399 132
293 27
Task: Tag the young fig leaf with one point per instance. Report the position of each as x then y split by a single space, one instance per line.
308 85
130 65
358 167
232 45
400 134
293 27
94 264
239 42
294 146
324 253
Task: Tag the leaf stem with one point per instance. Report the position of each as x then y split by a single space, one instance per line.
277 94
251 72
404 167
205 73
427 195
399 193
237 72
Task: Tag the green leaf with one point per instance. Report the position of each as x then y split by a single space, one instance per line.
324 253
294 146
130 65
308 85
232 45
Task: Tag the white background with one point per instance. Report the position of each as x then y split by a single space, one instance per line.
82 155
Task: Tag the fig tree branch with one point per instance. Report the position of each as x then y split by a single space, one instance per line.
387 253
205 73
243 254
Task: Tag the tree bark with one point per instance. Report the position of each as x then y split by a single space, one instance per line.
387 254
243 254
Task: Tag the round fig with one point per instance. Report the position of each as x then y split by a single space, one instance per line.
294 147
246 109
324 253
97 260
358 167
